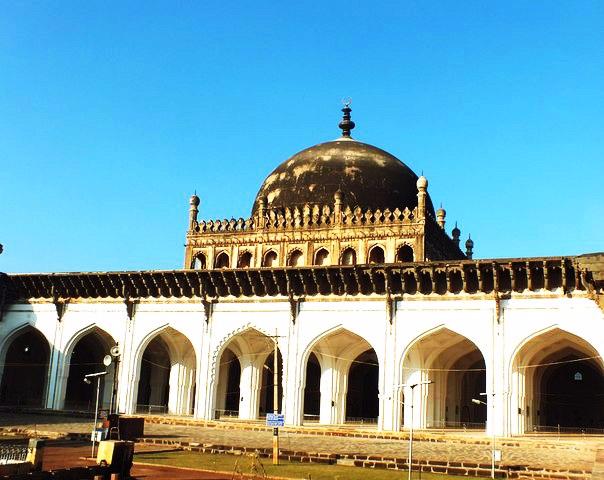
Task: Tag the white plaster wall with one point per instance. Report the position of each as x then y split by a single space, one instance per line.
498 339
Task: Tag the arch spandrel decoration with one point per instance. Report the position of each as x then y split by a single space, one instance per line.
226 340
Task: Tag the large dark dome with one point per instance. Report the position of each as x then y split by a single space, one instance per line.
367 176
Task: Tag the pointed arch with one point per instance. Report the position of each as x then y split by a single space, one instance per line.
270 259
83 354
245 259
348 369
456 366
321 257
199 261
295 258
24 367
348 256
252 349
545 392
165 366
404 253
222 260
376 254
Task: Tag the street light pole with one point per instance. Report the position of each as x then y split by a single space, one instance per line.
412 387
87 378
275 402
492 426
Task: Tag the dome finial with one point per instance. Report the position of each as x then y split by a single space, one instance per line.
346 124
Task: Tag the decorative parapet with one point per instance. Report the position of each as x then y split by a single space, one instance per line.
499 277
308 216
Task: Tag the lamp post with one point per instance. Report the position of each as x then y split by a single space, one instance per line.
412 387
480 402
87 378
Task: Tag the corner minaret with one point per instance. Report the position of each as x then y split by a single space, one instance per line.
193 210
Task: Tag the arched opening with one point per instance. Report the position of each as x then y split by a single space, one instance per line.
341 382
25 371
376 255
296 259
245 260
222 260
312 390
228 385
270 259
199 262
362 395
457 369
404 254
166 382
244 384
349 256
322 257
87 357
559 381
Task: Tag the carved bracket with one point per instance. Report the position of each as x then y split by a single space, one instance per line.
294 306
61 306
497 306
208 307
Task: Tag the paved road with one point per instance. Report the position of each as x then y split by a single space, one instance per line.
547 452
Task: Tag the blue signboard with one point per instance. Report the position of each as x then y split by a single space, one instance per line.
275 420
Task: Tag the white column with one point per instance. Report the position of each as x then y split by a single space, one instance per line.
249 387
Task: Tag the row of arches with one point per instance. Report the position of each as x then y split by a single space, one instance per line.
296 258
165 380
557 379
562 381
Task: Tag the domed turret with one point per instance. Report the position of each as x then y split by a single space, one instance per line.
469 247
441 213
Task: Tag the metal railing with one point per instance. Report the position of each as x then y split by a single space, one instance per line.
566 430
443 424
151 409
13 453
361 420
218 414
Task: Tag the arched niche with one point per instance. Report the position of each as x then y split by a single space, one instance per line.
166 374
295 258
25 358
222 260
199 262
270 259
321 257
558 383
245 260
376 255
348 257
457 370
404 253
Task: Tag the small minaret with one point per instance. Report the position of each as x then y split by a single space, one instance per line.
455 233
193 210
469 247
441 213
422 189
261 212
337 209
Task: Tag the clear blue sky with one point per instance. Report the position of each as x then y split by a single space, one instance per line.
113 113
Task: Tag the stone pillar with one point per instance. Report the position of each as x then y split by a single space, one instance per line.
249 387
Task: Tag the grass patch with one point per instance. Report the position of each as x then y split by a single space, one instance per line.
247 464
